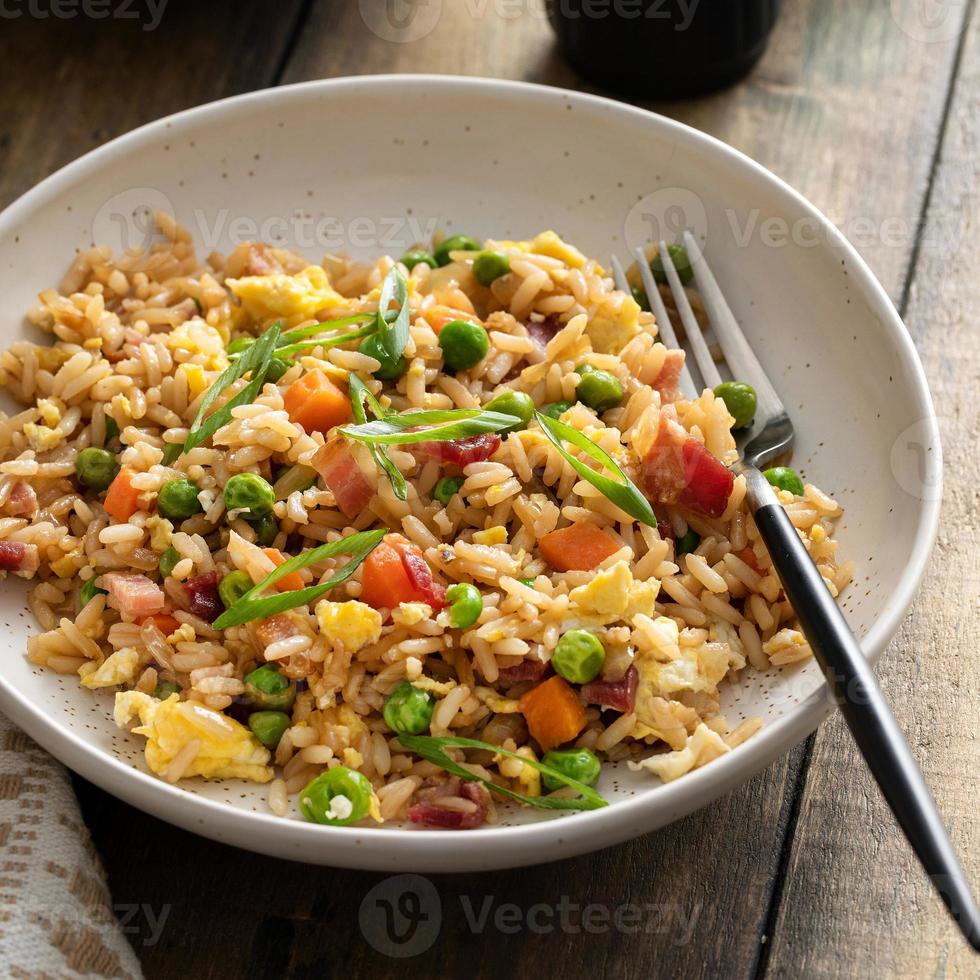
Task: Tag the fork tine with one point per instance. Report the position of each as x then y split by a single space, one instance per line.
686 383
706 363
741 361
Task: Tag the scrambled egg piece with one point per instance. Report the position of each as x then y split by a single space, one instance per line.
161 532
279 294
118 668
548 243
411 613
42 437
196 379
665 667
702 747
611 332
198 337
50 409
613 595
430 684
493 535
350 624
227 749
497 704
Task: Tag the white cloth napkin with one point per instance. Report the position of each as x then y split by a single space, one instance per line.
56 916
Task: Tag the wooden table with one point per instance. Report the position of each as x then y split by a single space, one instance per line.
872 110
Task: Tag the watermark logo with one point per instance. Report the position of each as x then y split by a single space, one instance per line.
401 916
930 21
916 462
400 21
664 215
148 13
126 220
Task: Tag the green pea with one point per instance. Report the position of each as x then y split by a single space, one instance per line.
233 586
418 256
489 266
239 345
96 468
463 344
678 255
111 429
456 243
177 499
269 726
465 605
740 400
688 542
408 710
784 478
165 689
278 366
640 295
529 582
516 403
600 390
266 529
337 797
579 656
556 409
168 561
446 489
268 689
389 369
248 491
580 764
89 591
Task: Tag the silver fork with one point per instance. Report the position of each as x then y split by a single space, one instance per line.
849 675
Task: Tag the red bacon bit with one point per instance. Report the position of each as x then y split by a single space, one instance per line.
433 815
22 499
345 479
462 452
15 556
542 331
665 530
205 603
134 595
668 379
418 572
619 695
679 470
527 670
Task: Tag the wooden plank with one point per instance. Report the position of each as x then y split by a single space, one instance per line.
853 884
68 85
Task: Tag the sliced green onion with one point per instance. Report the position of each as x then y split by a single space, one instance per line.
253 605
431 748
327 342
394 335
423 425
255 360
622 491
362 398
294 478
327 326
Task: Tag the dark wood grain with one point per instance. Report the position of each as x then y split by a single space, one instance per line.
848 854
707 888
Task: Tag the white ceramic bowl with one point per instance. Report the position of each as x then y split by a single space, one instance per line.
502 159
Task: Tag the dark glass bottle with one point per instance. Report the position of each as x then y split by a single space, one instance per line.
664 49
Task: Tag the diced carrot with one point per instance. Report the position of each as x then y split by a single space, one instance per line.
165 623
316 403
553 712
122 498
748 556
580 547
438 316
290 582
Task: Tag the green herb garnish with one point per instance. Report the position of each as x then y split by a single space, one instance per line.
255 360
302 333
394 334
622 491
253 605
361 399
327 342
431 748
423 425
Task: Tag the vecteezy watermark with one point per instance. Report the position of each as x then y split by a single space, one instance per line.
930 21
403 916
128 221
663 215
916 460
400 21
148 13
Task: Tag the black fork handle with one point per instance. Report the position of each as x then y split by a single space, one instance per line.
856 692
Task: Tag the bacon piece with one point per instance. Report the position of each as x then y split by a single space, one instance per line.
134 595
205 602
462 452
527 670
542 331
665 530
668 379
22 499
15 556
433 815
619 695
418 571
679 470
345 479
260 262
274 629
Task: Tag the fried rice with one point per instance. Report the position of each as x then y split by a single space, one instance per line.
135 342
